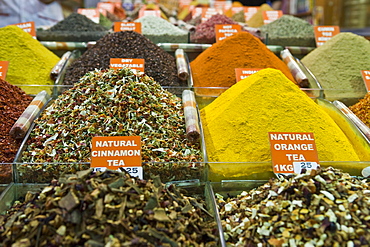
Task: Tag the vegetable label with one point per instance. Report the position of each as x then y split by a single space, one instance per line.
242 73
3 69
28 27
132 63
366 77
325 33
92 14
127 26
117 153
224 31
292 152
271 15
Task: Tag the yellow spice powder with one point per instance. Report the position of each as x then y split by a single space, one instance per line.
30 62
237 123
257 19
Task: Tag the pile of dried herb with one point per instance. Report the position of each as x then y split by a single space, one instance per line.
108 209
159 30
128 44
75 27
317 208
205 32
115 103
289 31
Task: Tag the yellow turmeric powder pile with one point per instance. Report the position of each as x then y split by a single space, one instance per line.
30 62
257 19
237 123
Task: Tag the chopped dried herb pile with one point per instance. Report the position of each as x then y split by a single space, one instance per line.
128 44
107 209
316 208
112 103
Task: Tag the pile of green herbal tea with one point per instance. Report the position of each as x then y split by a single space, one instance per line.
108 209
115 103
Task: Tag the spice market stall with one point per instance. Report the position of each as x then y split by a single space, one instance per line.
208 176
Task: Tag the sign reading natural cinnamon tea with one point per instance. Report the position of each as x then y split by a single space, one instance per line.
117 153
132 63
291 152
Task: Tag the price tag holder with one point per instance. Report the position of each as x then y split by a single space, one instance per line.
117 153
132 63
242 73
127 26
224 31
291 152
366 77
271 15
92 14
28 27
3 69
325 33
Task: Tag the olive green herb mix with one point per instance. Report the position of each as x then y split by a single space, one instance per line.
112 103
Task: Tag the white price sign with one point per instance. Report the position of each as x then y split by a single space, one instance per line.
136 171
299 166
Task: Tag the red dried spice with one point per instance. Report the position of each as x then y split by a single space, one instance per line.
13 101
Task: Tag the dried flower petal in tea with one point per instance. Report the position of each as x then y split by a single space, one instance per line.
317 208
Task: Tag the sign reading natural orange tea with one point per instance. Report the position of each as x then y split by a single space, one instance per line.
271 15
28 27
325 33
132 63
117 153
3 69
366 77
92 14
291 152
127 26
224 31
242 73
